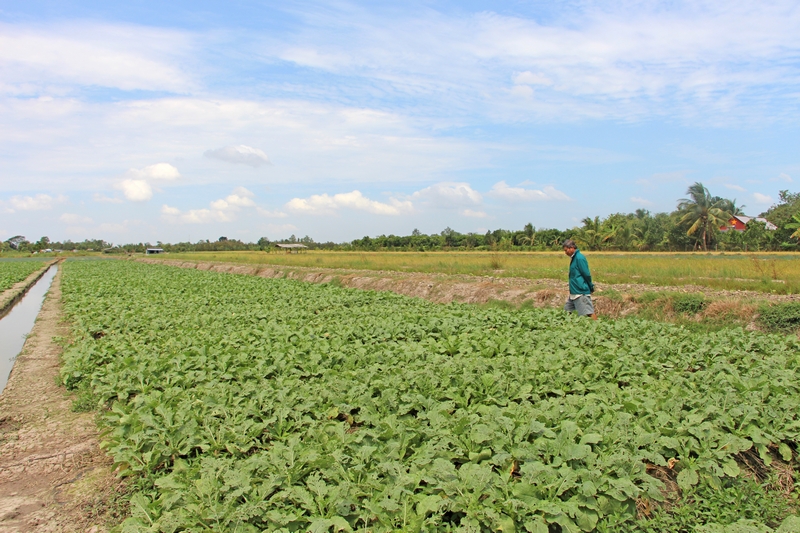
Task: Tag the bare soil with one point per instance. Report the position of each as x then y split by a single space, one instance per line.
53 475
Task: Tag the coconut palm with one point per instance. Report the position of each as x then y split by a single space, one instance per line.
529 236
702 213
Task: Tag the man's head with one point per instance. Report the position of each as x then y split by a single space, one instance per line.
569 247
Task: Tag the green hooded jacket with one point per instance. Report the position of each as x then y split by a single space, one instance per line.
580 280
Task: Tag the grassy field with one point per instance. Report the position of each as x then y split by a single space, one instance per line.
771 273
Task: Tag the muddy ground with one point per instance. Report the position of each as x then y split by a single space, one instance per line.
53 476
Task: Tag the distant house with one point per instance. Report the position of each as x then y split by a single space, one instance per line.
292 247
151 251
739 223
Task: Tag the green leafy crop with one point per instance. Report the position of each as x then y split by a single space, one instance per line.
16 270
238 403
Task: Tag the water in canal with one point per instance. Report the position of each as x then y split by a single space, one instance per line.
15 326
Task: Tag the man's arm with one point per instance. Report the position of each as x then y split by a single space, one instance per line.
583 270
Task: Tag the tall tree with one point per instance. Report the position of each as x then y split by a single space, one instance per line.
702 213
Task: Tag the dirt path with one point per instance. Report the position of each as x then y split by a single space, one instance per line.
53 476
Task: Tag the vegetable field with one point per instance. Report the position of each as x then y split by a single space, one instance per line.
14 271
238 403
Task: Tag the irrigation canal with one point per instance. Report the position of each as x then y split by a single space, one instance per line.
15 326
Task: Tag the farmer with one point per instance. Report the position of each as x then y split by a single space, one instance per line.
580 282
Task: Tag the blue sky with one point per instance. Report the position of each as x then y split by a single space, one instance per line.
145 121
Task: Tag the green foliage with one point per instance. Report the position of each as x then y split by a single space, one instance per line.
12 271
689 304
784 317
239 403
738 500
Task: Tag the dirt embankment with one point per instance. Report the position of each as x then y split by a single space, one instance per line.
53 476
10 297
445 288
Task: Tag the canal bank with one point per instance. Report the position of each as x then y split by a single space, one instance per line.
53 475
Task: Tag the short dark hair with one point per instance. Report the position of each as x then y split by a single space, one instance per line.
569 243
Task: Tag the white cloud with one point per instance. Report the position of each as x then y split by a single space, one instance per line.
641 201
762 198
529 78
270 214
473 214
194 216
40 202
735 187
74 219
241 154
125 57
222 210
159 171
502 191
783 177
101 198
323 204
136 190
448 195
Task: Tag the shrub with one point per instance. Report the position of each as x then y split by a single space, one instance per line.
690 304
780 317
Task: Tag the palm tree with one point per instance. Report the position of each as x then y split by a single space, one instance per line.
530 234
795 226
593 235
702 212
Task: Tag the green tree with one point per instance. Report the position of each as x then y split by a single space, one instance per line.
702 213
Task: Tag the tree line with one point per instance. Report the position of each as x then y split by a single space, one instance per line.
699 222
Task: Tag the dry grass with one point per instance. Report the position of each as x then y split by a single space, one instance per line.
771 273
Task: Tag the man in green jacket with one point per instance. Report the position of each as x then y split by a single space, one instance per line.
580 282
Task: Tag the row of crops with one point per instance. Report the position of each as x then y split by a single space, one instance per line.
14 271
237 403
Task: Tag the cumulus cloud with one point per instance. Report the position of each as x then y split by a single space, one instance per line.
194 216
74 219
222 210
641 201
240 197
40 202
159 171
136 190
473 214
783 177
241 154
502 191
762 198
449 195
323 204
735 187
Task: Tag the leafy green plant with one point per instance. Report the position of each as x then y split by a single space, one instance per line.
783 317
13 271
237 403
